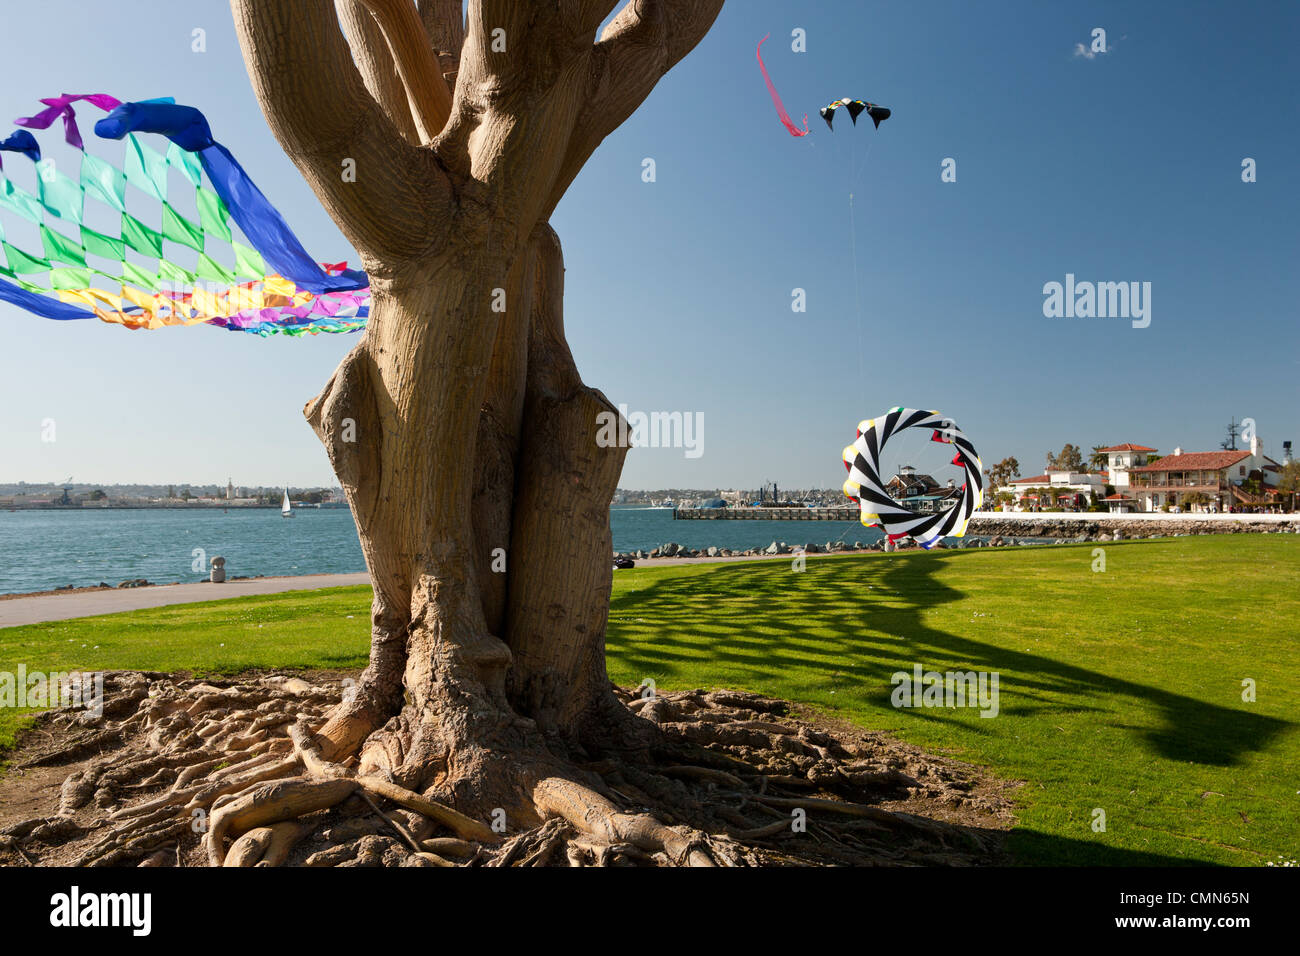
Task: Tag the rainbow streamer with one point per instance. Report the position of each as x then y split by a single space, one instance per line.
239 266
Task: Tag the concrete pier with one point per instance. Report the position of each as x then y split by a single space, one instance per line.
766 514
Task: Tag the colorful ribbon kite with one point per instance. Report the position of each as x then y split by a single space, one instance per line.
862 459
267 283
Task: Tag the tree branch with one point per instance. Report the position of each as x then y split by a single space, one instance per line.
640 45
444 25
417 64
586 15
520 83
536 40
301 70
374 60
319 109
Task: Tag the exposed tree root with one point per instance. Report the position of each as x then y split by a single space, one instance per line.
237 774
270 803
593 815
458 822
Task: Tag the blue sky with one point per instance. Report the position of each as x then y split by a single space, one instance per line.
1125 166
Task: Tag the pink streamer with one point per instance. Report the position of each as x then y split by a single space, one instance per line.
776 98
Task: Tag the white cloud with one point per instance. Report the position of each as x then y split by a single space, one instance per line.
1083 51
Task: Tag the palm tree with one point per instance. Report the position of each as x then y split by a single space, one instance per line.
1099 459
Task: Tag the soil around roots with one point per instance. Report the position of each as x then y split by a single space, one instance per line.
196 772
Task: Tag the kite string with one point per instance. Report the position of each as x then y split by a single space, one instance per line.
856 168
857 293
861 165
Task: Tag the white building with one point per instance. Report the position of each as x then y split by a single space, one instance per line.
1120 503
1120 458
1068 488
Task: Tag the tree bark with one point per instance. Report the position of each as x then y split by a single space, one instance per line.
560 543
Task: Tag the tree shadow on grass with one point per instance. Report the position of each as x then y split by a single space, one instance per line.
858 621
855 622
1052 849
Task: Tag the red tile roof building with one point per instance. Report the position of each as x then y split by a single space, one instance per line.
1203 480
1127 447
1195 461
1123 458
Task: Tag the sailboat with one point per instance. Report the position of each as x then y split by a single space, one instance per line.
286 509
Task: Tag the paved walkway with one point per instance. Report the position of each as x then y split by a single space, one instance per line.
60 607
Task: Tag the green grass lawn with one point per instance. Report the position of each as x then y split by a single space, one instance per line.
1119 690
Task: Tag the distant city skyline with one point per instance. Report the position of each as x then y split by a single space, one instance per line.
1113 168
936 456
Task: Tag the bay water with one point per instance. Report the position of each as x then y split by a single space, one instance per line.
42 550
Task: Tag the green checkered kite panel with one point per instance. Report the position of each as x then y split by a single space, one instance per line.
62 259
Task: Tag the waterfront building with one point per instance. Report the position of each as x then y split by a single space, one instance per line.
1060 488
1122 458
1240 479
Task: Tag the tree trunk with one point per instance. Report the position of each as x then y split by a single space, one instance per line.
400 421
458 427
560 581
481 497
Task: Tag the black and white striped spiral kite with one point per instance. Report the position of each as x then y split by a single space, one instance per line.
862 459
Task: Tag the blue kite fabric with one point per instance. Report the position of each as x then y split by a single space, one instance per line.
880 509
167 270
